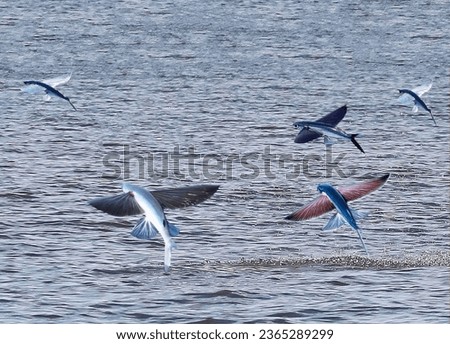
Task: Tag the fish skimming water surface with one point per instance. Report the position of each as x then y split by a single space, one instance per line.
136 200
332 119
338 199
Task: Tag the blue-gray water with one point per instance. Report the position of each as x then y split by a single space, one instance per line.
219 84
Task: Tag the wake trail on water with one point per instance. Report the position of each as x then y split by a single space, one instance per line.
426 259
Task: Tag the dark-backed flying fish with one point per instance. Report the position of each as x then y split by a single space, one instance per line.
413 98
329 133
48 87
332 119
338 198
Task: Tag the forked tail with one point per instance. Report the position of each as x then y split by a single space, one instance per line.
352 137
432 117
168 254
362 241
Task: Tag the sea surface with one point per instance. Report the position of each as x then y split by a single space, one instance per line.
178 93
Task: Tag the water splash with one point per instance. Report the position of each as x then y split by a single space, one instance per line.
425 259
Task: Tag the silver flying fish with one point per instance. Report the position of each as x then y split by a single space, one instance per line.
136 200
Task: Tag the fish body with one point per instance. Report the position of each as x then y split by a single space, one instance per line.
329 132
53 82
344 213
49 90
339 203
417 100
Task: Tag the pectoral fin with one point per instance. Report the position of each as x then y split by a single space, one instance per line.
184 197
306 135
119 205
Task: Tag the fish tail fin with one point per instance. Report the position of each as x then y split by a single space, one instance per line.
353 139
168 254
358 231
432 117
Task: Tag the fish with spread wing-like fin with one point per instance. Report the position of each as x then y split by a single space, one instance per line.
338 198
136 200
